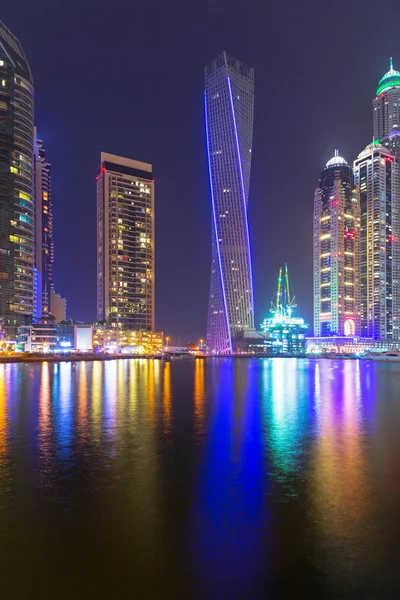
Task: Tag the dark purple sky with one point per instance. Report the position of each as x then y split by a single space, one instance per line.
127 77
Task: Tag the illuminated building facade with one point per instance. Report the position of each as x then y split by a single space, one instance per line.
125 243
16 185
44 241
138 342
50 337
377 175
386 111
284 333
229 100
336 252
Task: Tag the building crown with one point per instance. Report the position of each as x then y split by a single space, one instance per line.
389 80
336 161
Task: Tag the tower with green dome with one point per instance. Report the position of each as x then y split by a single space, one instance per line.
386 106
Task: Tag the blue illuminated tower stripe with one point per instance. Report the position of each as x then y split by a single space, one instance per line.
215 224
242 182
229 131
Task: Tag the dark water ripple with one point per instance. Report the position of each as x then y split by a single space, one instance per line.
213 479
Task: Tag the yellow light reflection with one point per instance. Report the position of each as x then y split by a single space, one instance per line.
3 415
166 399
150 389
45 427
97 390
340 491
199 392
82 401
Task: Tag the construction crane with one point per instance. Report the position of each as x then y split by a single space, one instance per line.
284 301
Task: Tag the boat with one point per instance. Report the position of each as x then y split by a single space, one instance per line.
341 355
389 356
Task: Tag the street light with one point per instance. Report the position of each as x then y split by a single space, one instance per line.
167 338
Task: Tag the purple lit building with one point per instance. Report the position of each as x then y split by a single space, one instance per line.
229 101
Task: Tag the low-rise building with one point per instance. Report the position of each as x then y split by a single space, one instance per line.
134 342
346 345
52 337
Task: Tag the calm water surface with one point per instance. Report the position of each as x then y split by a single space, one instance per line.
270 478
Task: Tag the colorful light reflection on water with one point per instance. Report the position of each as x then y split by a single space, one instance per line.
274 478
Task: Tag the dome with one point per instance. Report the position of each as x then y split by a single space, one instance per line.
389 80
337 161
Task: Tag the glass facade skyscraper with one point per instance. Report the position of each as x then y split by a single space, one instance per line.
44 241
386 107
16 185
125 243
229 104
336 252
377 174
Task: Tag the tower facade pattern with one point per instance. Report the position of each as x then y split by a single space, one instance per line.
377 174
229 106
125 243
386 111
44 239
336 252
16 185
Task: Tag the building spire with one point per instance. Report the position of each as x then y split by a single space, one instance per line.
336 153
391 63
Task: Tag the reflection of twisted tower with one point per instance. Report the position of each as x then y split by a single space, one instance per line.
229 99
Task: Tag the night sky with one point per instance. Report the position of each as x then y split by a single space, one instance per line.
127 77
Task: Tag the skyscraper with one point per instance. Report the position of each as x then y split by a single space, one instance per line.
44 241
229 101
16 184
377 175
386 107
336 252
125 243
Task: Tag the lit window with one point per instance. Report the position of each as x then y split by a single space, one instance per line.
3 82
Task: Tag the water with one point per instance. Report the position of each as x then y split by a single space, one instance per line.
225 479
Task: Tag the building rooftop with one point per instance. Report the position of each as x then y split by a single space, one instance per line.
337 161
389 80
15 53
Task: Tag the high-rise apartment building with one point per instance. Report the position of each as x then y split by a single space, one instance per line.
229 101
386 111
377 174
44 241
125 243
16 185
336 252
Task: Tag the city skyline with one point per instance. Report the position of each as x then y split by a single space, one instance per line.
265 210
